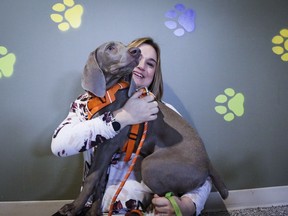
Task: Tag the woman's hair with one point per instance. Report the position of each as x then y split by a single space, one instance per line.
156 87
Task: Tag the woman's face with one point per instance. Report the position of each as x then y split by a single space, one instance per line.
143 74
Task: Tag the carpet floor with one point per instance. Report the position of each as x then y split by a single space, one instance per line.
263 211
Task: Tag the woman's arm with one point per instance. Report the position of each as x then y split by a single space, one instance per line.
77 134
191 203
200 195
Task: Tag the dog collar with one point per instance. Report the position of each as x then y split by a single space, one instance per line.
96 103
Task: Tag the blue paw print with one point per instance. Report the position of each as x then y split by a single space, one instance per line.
182 16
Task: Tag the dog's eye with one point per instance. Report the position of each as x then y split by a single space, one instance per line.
111 47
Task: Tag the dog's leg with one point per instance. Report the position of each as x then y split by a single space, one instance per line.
99 191
95 209
90 184
102 159
76 206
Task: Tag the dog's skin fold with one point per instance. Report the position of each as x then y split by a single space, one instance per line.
175 158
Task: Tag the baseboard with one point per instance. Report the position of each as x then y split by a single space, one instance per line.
248 198
238 199
31 208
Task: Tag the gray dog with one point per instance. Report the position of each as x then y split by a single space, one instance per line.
175 159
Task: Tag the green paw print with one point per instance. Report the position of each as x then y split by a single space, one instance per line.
231 104
7 61
281 44
71 15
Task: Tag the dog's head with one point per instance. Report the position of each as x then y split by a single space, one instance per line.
109 63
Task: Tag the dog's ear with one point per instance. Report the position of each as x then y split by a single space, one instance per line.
93 79
132 87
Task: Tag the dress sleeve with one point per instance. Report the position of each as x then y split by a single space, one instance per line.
77 134
200 195
171 107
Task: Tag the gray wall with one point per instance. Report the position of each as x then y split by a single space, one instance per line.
230 47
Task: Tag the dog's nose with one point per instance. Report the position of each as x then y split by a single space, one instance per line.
134 51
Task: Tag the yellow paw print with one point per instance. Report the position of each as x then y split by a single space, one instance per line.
71 14
7 61
231 104
281 44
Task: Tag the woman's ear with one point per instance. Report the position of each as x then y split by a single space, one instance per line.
93 79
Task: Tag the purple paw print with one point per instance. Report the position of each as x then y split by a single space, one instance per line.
182 16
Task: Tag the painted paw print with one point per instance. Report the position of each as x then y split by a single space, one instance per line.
281 44
182 16
7 61
231 104
71 15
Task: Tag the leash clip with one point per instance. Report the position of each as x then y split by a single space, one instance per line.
145 91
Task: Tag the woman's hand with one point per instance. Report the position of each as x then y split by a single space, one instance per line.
163 206
137 110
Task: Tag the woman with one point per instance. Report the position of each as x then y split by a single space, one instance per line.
77 134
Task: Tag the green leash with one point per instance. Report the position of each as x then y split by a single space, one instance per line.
173 202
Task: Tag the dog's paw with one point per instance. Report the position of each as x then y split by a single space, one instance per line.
68 210
70 17
231 104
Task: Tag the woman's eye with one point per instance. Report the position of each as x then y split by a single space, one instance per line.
150 64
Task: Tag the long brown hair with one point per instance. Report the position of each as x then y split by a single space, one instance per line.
156 87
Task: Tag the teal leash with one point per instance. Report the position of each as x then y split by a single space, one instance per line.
174 204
